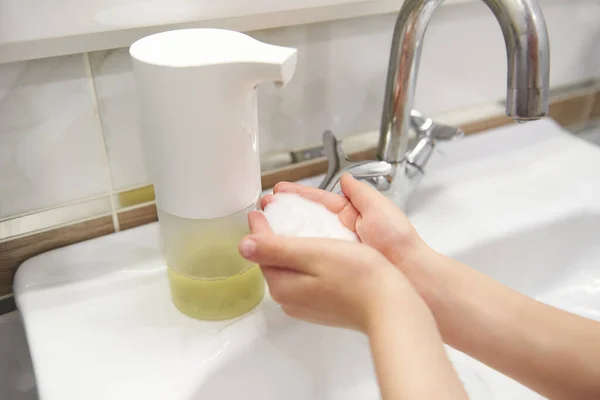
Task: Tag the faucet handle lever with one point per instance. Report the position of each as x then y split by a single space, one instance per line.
338 163
445 132
428 134
427 127
336 159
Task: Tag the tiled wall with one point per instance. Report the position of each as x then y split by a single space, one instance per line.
50 142
69 129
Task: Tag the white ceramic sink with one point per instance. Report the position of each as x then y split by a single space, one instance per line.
291 360
519 204
557 262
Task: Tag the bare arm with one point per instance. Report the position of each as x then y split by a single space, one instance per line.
549 350
352 285
409 357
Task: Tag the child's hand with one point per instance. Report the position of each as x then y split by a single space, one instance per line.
326 281
374 218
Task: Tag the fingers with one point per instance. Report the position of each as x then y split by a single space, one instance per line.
360 194
304 313
264 202
299 254
332 201
287 286
284 252
258 223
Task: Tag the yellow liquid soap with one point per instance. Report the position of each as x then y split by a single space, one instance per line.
214 299
209 279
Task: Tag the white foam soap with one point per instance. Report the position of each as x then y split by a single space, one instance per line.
290 214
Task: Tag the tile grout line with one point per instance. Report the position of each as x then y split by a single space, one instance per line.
100 131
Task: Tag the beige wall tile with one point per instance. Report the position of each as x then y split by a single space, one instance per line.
119 116
134 197
50 148
340 77
341 70
338 84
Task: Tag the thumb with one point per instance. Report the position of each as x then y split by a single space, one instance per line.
361 195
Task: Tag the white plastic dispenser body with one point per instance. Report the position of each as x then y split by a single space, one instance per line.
197 96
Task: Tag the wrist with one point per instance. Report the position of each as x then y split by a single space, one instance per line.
396 304
426 270
409 315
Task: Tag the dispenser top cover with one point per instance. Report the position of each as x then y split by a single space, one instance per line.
196 90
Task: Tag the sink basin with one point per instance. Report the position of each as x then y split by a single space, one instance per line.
292 360
556 262
100 323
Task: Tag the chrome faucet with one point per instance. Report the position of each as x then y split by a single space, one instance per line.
407 139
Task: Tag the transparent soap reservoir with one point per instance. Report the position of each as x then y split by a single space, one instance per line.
207 276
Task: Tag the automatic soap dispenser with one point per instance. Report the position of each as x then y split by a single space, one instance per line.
197 95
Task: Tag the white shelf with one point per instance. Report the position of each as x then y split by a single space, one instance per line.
36 28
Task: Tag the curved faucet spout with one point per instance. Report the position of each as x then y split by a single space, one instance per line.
399 169
526 38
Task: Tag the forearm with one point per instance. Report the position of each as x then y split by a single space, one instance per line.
549 350
409 356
